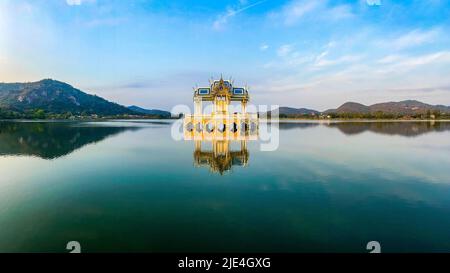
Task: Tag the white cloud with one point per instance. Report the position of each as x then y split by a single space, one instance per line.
339 12
78 2
414 38
105 22
264 47
373 2
321 61
396 64
364 81
292 59
74 2
296 10
222 19
438 57
284 50
321 55
390 59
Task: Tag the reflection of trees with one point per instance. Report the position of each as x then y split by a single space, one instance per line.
408 129
221 158
296 125
50 140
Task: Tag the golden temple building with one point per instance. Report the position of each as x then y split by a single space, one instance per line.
220 127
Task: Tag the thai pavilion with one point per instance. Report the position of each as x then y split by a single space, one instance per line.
220 123
220 127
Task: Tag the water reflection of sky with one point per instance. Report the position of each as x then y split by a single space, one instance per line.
333 172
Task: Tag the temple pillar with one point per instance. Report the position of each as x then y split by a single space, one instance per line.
221 106
198 106
244 107
198 145
243 145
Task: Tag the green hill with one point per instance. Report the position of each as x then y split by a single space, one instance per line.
54 97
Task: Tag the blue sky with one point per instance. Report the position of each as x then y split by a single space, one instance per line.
301 53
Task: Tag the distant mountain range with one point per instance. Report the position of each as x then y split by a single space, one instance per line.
54 99
157 112
406 107
401 108
51 97
292 112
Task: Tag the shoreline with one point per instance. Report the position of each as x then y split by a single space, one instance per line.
281 120
82 120
354 120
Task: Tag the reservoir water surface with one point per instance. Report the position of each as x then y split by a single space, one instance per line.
127 186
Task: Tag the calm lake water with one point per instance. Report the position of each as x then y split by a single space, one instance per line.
126 186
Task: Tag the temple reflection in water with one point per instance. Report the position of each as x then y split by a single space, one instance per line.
221 153
220 157
220 130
